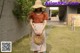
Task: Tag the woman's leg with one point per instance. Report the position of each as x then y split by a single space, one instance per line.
35 51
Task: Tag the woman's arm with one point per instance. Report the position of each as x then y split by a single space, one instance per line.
31 24
45 20
33 27
44 24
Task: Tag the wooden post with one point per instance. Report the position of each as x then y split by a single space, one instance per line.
72 24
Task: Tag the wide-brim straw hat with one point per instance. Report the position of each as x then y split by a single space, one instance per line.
38 4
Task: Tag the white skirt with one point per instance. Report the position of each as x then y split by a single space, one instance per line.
34 47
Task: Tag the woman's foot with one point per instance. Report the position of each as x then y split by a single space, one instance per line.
35 51
41 52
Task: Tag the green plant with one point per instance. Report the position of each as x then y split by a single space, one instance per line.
43 1
54 12
22 8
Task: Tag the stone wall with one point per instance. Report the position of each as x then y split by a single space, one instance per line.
10 28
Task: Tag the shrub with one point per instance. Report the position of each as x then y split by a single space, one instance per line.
22 9
54 12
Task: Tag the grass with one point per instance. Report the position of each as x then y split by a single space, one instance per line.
64 40
59 40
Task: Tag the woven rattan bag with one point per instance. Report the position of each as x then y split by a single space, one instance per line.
38 39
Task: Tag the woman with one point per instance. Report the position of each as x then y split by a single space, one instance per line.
38 20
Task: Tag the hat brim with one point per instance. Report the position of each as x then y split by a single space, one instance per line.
38 6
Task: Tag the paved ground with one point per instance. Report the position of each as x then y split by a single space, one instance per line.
55 22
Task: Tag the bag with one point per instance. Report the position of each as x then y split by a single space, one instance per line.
38 39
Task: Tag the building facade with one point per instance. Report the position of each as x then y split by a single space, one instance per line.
66 9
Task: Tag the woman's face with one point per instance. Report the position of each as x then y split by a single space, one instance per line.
38 9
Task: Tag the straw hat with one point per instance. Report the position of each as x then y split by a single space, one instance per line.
38 4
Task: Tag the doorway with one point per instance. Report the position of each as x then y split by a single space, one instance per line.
59 14
62 13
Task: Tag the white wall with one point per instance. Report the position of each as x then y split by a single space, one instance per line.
54 8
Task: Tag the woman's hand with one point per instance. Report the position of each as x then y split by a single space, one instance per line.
38 32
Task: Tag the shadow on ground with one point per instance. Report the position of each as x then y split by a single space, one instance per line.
22 45
49 48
